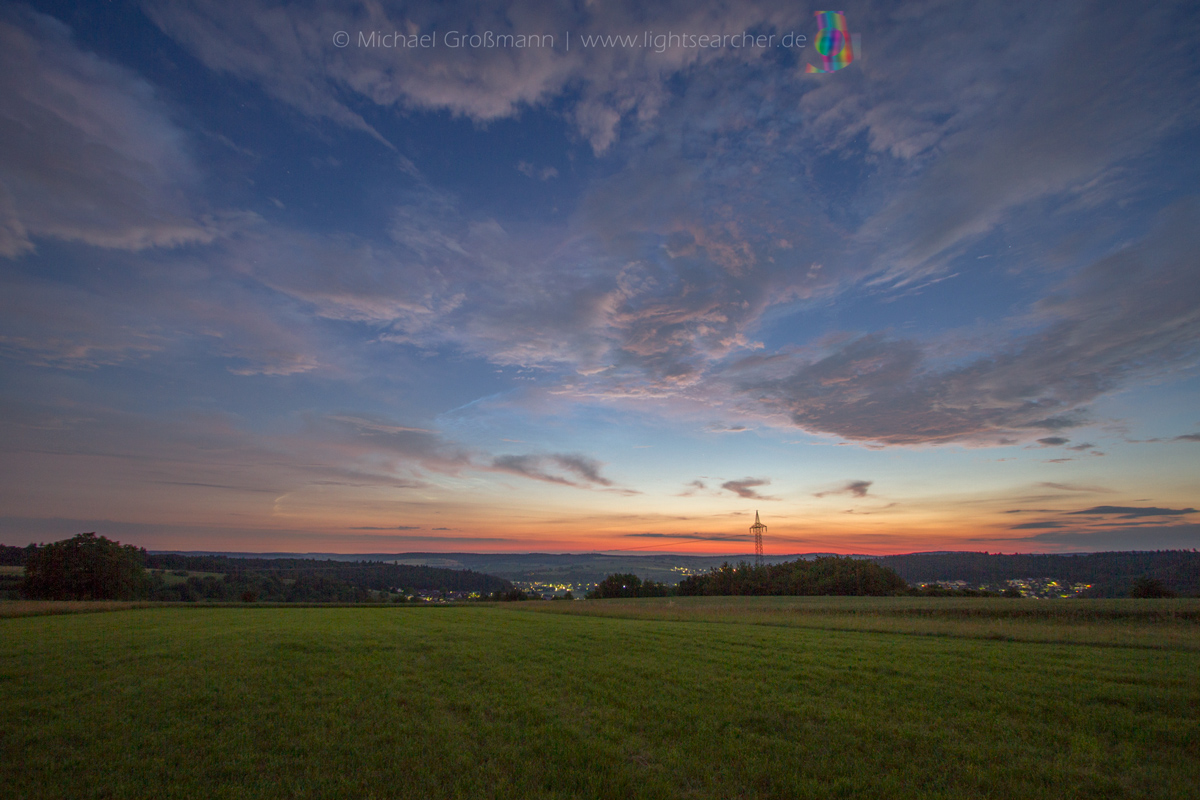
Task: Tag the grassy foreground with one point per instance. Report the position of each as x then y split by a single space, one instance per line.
1158 624
493 701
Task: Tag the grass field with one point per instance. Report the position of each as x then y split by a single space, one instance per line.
495 701
1158 624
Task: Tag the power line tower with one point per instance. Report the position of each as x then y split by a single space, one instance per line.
758 529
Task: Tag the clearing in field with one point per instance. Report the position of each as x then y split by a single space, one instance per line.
494 701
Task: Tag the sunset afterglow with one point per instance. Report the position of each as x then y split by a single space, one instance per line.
263 288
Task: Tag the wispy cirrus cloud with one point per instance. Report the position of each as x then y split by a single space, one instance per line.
662 295
1133 512
290 53
1063 134
91 154
582 471
385 528
1073 487
872 387
699 537
1159 537
853 488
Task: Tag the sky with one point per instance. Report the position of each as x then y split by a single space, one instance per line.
338 277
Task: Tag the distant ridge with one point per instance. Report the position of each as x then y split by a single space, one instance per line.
1110 574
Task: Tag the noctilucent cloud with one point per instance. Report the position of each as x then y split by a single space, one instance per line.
538 276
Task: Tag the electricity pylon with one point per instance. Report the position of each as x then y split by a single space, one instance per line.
758 529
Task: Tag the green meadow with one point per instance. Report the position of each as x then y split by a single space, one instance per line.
1160 624
670 697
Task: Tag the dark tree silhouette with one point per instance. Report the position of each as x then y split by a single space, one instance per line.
624 584
84 567
1149 588
820 576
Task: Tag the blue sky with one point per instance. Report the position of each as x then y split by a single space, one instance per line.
259 291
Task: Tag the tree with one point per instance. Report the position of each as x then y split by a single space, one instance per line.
1146 587
624 584
85 567
820 576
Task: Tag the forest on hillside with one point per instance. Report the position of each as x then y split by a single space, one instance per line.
1110 574
830 575
90 567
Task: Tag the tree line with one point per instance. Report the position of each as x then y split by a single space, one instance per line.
91 567
88 566
375 575
821 576
829 575
844 575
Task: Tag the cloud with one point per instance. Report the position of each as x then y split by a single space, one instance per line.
290 54
280 49
1188 437
671 264
529 170
90 153
1036 525
585 471
718 427
746 488
586 468
377 426
395 528
1054 127
184 537
701 537
1134 512
230 487
1164 537
1054 441
1071 487
854 488
33 329
875 388
358 437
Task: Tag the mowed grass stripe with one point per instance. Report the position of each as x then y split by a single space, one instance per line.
492 702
